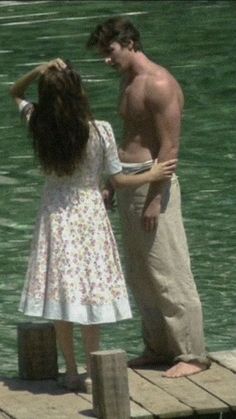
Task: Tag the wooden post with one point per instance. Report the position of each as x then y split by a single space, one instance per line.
37 351
110 384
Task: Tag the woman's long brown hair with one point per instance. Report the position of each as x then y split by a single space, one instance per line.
59 123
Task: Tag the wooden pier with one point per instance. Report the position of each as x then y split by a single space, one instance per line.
209 394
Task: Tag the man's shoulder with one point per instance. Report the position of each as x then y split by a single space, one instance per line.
161 85
160 77
158 87
155 77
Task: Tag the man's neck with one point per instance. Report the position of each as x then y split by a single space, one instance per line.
138 65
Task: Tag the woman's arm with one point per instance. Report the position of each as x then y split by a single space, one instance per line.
17 90
158 172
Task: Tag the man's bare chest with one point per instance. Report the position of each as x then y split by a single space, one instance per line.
132 104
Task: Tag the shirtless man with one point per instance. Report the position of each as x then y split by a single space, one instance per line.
158 265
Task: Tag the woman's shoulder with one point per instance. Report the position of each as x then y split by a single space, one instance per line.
102 123
104 128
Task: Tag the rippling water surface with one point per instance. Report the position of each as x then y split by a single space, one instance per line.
195 40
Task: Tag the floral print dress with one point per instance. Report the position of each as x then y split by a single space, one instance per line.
74 271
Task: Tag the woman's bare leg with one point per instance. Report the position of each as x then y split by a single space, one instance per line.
64 334
91 341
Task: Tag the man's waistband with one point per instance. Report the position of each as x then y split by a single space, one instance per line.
134 168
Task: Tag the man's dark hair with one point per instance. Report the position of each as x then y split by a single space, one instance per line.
115 29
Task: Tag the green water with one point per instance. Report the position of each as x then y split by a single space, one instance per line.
195 40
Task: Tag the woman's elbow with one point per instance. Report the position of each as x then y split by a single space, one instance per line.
116 181
13 92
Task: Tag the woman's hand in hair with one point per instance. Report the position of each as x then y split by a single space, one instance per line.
17 90
57 64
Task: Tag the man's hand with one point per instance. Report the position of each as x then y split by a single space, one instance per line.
151 214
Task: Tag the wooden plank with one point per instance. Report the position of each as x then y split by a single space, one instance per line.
87 397
28 399
3 415
219 382
154 399
185 391
225 358
137 412
62 407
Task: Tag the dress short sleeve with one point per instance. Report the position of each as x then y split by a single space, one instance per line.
112 164
25 109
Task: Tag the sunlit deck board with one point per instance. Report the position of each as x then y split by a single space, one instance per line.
40 399
154 399
202 395
186 392
225 358
220 382
137 412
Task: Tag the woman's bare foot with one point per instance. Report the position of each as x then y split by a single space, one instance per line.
88 385
76 383
183 369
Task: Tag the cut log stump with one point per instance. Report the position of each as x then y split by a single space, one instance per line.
110 384
37 351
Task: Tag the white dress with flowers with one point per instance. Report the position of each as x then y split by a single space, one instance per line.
74 271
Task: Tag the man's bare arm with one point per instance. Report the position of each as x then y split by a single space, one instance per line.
163 103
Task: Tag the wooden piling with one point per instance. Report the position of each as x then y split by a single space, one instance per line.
37 351
110 384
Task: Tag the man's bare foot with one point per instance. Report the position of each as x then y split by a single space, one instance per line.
183 369
141 361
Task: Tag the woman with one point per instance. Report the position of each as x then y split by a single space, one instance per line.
74 273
